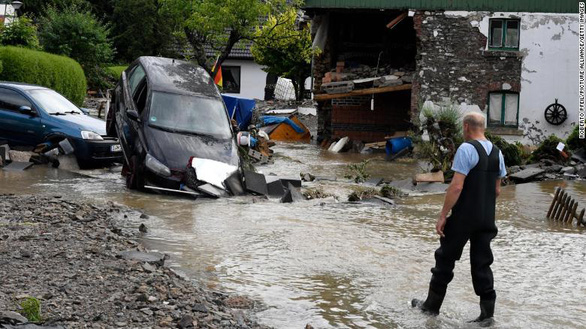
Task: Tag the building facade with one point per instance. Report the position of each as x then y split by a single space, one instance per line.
508 60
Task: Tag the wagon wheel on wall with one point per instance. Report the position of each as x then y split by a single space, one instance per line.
556 114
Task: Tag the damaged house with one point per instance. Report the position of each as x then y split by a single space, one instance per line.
514 61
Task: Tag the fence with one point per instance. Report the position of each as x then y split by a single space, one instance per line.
564 209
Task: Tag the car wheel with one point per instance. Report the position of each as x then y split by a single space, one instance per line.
111 120
134 176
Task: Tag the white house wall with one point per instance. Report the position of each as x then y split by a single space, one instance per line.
252 78
549 49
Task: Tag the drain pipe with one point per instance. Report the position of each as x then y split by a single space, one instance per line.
376 76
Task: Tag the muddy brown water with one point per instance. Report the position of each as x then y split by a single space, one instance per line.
336 265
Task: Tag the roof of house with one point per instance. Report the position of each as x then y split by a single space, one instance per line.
540 6
241 50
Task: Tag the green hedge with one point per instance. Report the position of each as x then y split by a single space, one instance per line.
60 73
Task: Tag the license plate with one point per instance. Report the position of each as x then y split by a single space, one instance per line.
116 148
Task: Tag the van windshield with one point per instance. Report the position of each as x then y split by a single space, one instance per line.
189 114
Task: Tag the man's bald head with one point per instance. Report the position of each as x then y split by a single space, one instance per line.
474 120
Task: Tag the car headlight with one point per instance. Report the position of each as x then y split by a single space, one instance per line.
90 135
156 166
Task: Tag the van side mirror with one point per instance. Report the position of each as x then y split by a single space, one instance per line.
133 115
26 110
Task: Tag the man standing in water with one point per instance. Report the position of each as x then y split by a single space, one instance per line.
471 196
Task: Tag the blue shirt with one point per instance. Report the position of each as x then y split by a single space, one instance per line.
467 158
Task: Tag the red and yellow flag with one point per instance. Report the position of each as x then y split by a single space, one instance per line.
218 77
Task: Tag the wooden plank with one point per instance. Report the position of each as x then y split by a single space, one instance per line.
553 202
362 92
581 218
560 206
397 20
573 213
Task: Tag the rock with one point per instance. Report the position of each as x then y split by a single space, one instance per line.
199 308
144 216
148 257
526 174
148 268
553 168
146 311
374 181
186 322
12 317
292 195
568 170
579 156
514 170
581 171
143 228
19 156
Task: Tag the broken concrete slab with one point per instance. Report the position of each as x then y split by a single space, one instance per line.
18 166
386 200
376 181
292 195
66 146
20 156
255 182
568 170
275 187
293 181
147 257
12 317
29 326
434 177
339 145
212 191
579 156
526 174
234 184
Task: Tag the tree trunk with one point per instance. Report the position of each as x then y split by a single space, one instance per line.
198 49
232 40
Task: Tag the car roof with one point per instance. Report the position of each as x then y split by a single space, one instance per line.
20 85
177 76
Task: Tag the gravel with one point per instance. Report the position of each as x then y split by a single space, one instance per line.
88 271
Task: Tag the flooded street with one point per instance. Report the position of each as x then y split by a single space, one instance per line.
338 265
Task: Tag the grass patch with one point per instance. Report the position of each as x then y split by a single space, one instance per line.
31 309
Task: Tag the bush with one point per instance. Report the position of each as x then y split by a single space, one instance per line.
114 72
75 32
574 142
56 72
511 152
547 150
444 128
22 32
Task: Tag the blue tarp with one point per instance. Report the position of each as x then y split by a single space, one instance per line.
240 109
270 120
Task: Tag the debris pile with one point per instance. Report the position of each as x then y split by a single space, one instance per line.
45 153
349 76
84 269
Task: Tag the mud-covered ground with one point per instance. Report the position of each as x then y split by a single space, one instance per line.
70 256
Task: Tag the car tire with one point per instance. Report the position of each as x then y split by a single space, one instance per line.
111 120
134 176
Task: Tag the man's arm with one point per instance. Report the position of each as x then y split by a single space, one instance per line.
498 187
452 195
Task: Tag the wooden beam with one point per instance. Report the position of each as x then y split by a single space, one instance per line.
362 92
397 20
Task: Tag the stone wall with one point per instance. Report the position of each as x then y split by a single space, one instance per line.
454 66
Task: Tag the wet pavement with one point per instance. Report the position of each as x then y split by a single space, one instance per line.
338 265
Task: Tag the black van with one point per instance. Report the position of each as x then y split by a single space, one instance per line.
166 111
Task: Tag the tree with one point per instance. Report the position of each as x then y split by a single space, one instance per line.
141 28
219 24
36 8
76 32
284 49
21 32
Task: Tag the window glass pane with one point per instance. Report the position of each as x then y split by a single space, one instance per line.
53 102
11 100
231 77
495 108
512 37
511 109
496 33
135 78
190 115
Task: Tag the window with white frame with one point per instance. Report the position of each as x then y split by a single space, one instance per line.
503 109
